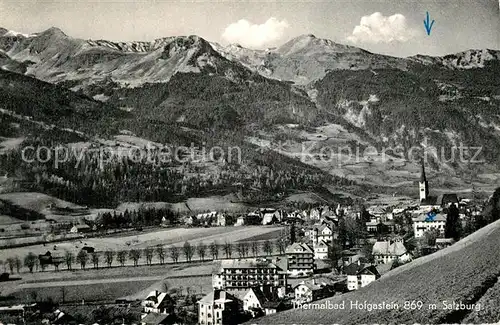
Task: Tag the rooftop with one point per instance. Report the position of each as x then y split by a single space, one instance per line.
430 218
219 296
389 248
154 319
299 248
247 264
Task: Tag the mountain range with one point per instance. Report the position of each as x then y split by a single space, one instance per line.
295 92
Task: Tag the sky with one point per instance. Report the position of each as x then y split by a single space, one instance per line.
393 27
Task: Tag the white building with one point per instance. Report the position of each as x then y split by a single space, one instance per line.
359 275
428 222
321 250
217 307
240 221
311 290
270 216
388 251
300 259
255 300
157 302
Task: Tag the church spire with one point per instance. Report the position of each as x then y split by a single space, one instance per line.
423 186
423 179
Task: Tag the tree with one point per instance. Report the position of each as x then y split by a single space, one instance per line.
18 263
281 243
396 263
350 231
254 246
201 250
30 261
453 227
491 211
228 249
160 251
245 248
367 251
334 254
214 250
292 234
268 247
240 250
82 258
108 257
95 259
12 263
188 251
121 256
429 238
174 253
69 259
134 255
149 252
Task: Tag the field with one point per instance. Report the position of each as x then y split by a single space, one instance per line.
35 201
192 205
167 237
102 291
196 284
7 220
110 284
267 236
39 202
462 272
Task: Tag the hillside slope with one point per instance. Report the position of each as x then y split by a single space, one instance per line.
464 272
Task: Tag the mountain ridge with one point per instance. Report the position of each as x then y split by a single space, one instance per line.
387 101
310 56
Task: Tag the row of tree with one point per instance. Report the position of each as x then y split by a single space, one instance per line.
212 251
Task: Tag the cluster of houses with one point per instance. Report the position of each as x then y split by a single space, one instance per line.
260 287
263 216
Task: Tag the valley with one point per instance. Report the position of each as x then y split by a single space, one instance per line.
132 172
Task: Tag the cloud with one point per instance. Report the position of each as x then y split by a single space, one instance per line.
378 28
251 35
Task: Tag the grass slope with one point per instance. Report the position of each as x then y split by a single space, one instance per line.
461 273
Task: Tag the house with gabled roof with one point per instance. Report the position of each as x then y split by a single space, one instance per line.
312 290
259 302
158 302
218 307
448 199
321 250
270 216
360 275
314 214
389 251
325 233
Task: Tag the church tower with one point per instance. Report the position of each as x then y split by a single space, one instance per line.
423 186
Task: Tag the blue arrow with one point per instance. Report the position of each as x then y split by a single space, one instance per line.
428 24
430 216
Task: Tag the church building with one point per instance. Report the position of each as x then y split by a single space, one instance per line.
429 202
